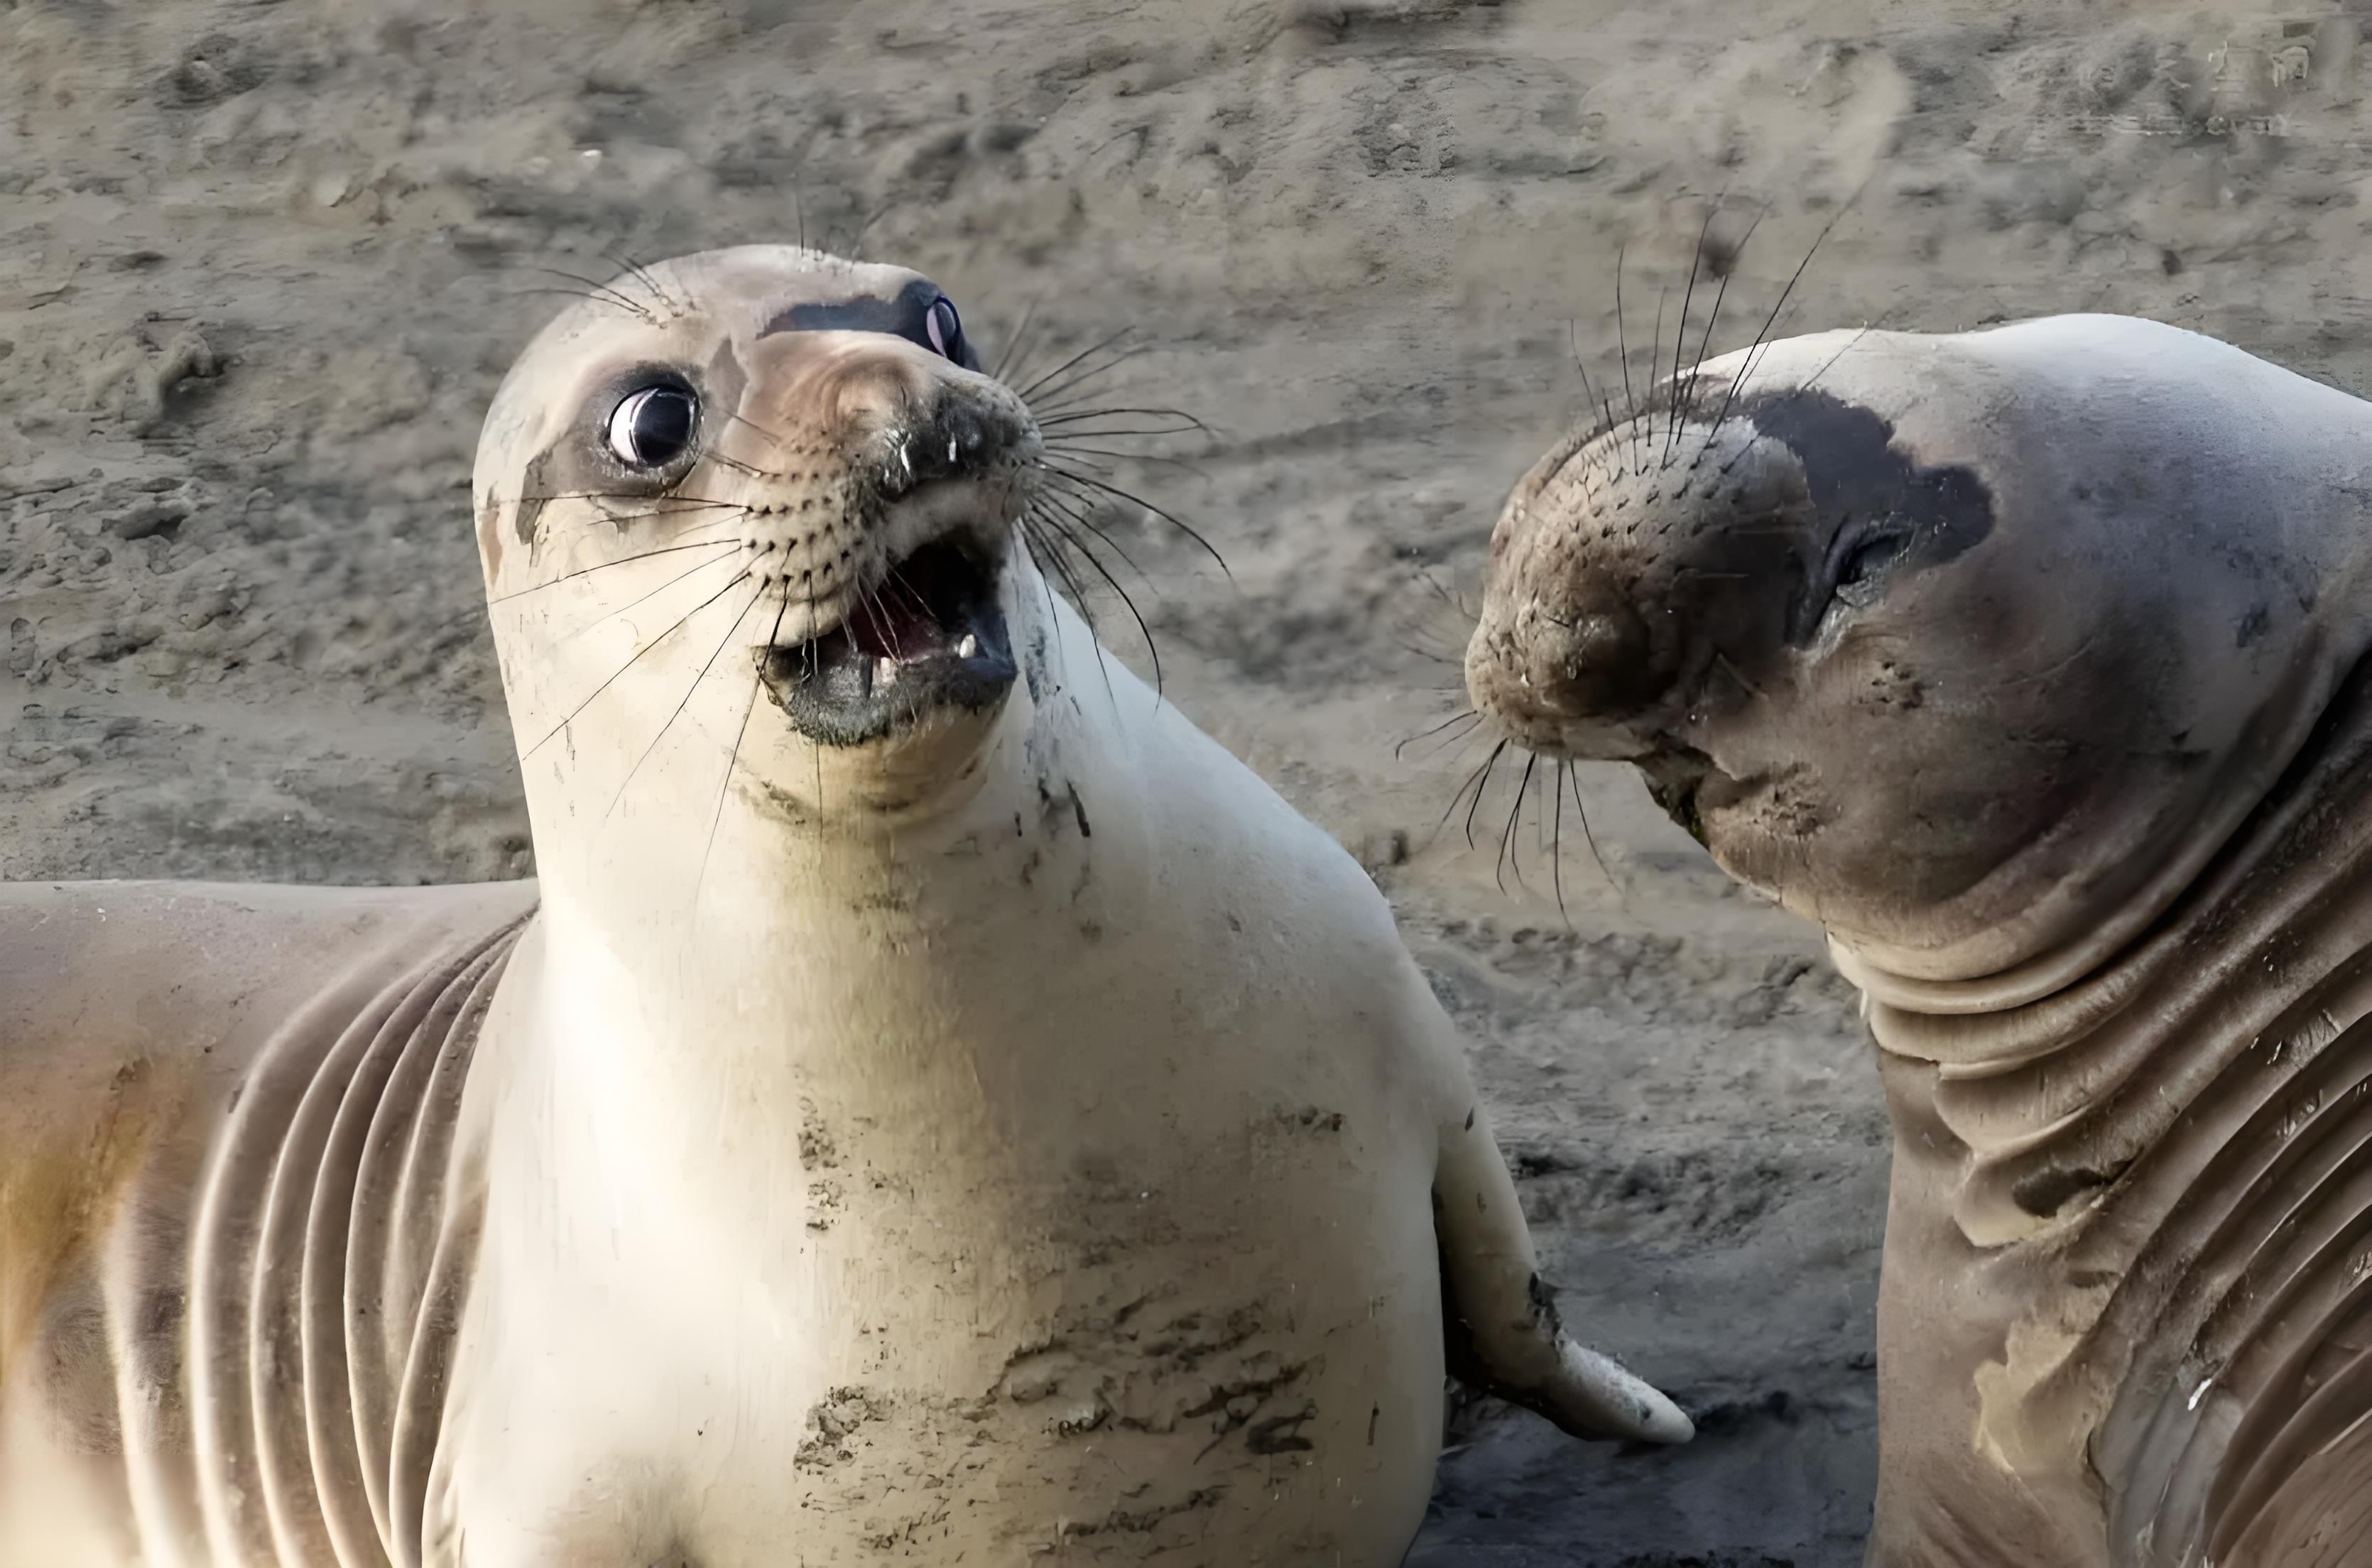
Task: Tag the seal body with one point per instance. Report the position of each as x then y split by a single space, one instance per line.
934 1104
2029 663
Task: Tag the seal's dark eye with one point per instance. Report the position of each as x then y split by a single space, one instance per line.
1857 578
944 329
651 429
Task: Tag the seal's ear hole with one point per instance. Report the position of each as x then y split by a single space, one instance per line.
652 426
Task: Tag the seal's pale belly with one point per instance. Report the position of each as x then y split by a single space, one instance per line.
1094 1322
1141 1410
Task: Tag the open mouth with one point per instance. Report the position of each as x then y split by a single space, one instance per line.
929 637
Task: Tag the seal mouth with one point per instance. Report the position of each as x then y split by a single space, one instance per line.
929 637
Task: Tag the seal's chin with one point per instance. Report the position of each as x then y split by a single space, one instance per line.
931 638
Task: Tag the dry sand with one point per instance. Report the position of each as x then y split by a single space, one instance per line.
260 265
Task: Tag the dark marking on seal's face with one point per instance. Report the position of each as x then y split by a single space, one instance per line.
1879 513
725 381
901 315
535 492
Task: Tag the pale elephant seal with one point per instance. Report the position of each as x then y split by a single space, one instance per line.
2030 663
936 1105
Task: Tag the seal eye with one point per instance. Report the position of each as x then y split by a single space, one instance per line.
1857 578
652 427
944 329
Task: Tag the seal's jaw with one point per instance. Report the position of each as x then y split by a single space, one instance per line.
930 639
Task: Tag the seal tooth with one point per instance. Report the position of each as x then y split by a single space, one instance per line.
886 671
969 647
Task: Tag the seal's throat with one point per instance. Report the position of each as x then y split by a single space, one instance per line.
929 637
2178 1147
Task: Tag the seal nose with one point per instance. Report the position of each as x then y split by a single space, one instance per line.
954 438
1564 675
1577 662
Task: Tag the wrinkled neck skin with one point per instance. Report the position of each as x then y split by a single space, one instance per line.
2134 1187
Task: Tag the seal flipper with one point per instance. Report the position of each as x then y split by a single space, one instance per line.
1499 1318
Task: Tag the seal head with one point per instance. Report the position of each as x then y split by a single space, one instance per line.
1939 647
779 464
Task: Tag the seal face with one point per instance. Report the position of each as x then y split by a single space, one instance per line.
812 441
2030 663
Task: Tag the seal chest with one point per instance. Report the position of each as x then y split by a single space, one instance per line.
2029 663
936 1103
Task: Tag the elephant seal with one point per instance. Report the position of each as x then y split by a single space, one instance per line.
934 1105
2030 663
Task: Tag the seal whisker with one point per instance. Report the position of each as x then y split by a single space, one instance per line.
1507 835
1033 540
1185 419
1642 432
1431 655
897 579
1729 270
1480 777
1622 340
1489 764
1794 392
624 560
647 278
1076 510
602 293
692 502
1590 398
1076 393
1152 648
1760 346
1016 348
1721 662
1556 839
692 691
1464 722
1077 454
613 615
663 637
871 603
1076 478
739 418
733 761
1686 395
1680 336
1057 556
1581 813
1064 397
710 454
1027 394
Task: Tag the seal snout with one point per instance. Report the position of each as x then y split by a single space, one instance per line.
954 436
895 612
1631 569
1564 674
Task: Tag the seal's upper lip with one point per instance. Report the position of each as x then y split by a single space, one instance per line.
929 635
